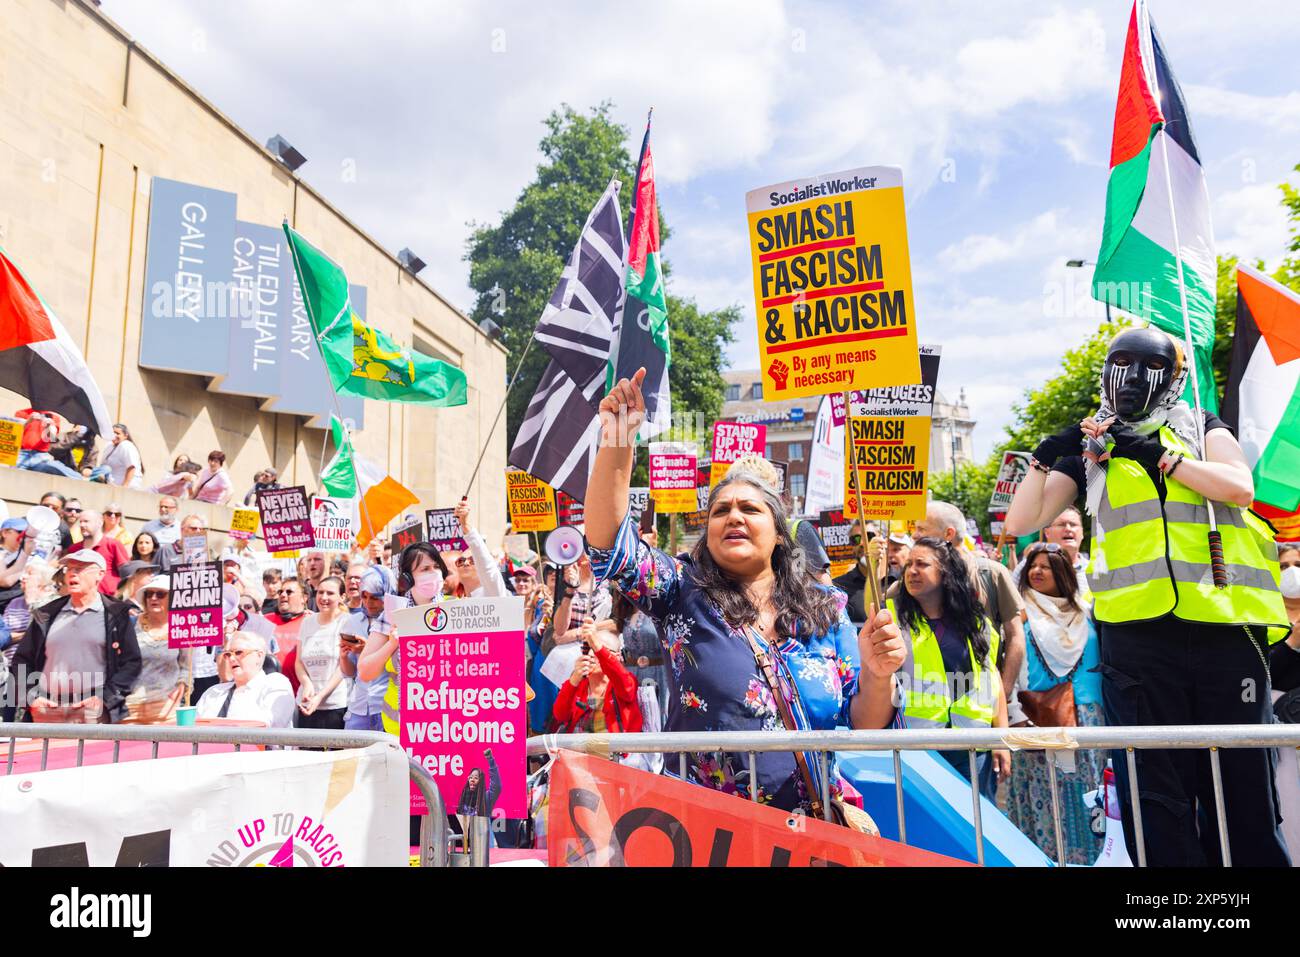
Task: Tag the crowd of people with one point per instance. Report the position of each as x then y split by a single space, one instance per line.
747 631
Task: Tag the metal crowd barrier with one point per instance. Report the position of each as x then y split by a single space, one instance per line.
1127 739
433 826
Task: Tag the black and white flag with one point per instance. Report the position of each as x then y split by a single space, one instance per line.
557 439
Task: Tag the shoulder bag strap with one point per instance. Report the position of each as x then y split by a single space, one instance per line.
787 717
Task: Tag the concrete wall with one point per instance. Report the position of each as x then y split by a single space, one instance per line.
75 170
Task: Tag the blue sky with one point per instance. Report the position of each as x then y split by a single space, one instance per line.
1000 120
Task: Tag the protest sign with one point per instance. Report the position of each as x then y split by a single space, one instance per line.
731 440
569 510
837 409
442 530
462 701
194 548
604 814
1012 471
782 469
253 808
194 610
11 440
517 548
331 521
824 487
887 442
672 476
531 502
837 533
833 284
638 500
243 523
407 534
286 520
698 520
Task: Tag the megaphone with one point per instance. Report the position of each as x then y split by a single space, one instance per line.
229 602
42 519
564 545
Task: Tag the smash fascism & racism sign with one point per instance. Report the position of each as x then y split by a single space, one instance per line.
833 284
887 445
531 502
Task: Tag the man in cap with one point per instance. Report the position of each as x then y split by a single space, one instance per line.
79 658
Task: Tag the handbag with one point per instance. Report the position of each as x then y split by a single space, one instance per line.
842 813
1053 708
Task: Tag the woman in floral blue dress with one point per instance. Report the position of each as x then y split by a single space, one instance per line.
745 585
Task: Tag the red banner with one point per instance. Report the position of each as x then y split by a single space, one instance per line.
605 815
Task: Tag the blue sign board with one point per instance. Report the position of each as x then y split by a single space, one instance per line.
188 264
222 300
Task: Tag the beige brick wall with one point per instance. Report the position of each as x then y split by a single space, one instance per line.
75 170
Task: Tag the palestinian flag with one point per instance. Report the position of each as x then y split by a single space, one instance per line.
361 360
377 497
38 358
1152 155
1262 399
641 329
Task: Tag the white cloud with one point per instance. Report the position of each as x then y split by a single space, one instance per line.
1250 223
1050 230
1281 113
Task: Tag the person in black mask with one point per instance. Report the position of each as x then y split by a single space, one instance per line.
1176 648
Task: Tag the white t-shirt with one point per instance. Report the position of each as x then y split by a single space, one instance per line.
118 459
318 650
267 698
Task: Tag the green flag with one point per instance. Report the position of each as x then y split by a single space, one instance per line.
339 478
362 360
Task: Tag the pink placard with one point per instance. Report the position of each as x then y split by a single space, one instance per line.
837 408
194 607
731 440
286 520
463 702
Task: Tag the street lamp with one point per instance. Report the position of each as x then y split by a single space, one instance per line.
1079 264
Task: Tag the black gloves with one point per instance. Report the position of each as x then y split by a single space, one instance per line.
1069 441
1145 449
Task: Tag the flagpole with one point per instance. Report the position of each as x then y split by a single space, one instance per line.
1217 568
334 396
519 367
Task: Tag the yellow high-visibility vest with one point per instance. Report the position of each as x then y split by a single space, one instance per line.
928 700
1151 558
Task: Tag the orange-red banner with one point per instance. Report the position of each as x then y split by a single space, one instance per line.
605 815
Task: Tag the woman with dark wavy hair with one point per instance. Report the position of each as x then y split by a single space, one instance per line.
737 617
949 678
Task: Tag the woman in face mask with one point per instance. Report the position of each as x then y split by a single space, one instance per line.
421 574
1284 656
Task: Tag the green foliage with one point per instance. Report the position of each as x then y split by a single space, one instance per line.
515 264
1289 272
974 488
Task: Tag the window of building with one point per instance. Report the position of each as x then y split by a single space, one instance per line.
733 393
794 451
756 391
797 486
767 452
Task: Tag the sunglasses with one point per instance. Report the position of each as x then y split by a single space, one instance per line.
116 514
464 562
1051 547
74 511
238 654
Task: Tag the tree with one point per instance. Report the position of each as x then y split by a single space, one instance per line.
515 264
1289 272
974 488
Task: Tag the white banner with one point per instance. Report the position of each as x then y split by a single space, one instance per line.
246 809
825 488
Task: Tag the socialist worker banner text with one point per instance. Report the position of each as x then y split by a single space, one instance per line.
833 284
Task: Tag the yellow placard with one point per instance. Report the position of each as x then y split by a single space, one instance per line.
11 440
891 459
841 568
293 554
531 502
244 522
833 284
